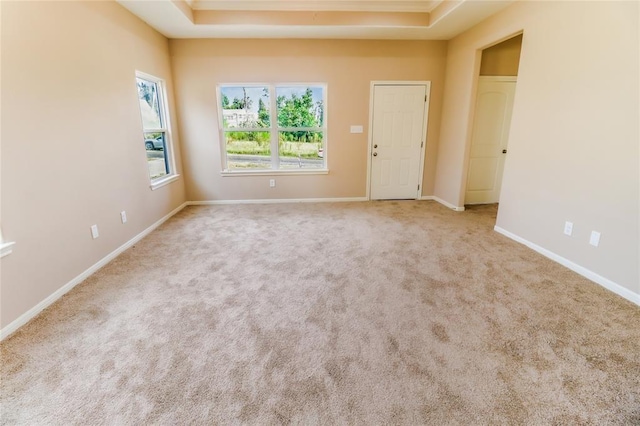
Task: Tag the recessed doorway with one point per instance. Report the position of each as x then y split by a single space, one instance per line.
492 120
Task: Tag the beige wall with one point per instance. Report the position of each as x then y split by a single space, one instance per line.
347 66
574 140
72 149
503 58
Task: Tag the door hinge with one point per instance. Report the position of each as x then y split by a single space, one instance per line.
425 98
421 144
418 187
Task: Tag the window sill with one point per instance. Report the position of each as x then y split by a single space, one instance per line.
163 181
227 173
6 249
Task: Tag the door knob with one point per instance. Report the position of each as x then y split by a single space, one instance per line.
504 151
375 154
375 146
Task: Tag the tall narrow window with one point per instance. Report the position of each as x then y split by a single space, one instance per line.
300 127
155 129
273 127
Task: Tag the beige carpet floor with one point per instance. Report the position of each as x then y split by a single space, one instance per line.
347 313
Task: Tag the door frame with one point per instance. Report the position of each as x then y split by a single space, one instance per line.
473 93
425 126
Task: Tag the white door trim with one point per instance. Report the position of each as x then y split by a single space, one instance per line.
425 126
498 78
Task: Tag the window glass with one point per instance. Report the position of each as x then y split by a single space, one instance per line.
149 104
246 107
248 150
299 106
300 150
156 158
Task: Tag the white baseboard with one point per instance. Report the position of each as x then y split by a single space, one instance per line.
598 279
276 201
31 313
443 202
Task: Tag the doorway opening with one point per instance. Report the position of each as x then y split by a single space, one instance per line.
492 120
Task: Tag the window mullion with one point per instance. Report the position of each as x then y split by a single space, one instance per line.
246 129
223 149
273 121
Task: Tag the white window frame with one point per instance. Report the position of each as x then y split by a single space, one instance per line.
274 129
165 119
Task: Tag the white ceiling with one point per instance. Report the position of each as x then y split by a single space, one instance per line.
335 5
329 19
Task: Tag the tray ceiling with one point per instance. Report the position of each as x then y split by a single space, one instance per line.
355 19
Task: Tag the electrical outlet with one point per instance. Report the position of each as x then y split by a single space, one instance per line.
568 228
272 183
594 240
94 231
123 216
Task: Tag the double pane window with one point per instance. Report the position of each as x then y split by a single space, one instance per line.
273 127
154 125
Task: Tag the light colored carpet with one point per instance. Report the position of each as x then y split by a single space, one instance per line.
345 313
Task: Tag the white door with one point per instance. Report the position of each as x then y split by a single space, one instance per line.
398 132
489 139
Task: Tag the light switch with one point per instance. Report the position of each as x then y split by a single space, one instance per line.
356 129
568 228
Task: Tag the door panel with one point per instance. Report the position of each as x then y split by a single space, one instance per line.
481 174
385 172
398 133
405 166
489 140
